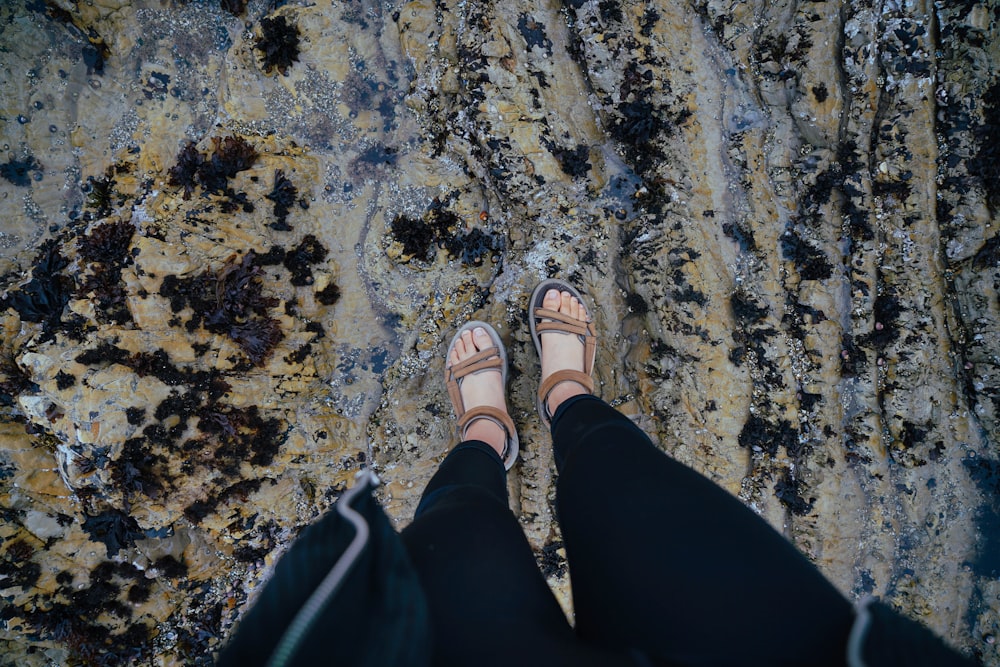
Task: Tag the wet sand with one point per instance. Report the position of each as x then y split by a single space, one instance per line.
234 245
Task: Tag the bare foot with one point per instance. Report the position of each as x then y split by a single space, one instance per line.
562 351
483 388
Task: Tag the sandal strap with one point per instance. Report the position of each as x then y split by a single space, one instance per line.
490 413
561 322
570 325
565 375
480 361
485 360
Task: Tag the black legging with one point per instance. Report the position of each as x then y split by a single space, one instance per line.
666 567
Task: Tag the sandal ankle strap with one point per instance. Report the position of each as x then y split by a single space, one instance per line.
492 414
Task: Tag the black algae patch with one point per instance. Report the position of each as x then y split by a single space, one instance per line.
441 228
988 256
231 302
106 252
234 7
64 380
789 489
230 156
533 33
298 260
745 309
809 260
758 434
283 195
279 43
18 172
329 295
43 298
986 163
575 162
71 618
115 529
551 562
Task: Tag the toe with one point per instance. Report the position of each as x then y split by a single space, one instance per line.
551 300
566 302
574 308
468 345
481 338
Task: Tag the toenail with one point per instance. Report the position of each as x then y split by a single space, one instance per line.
480 331
552 294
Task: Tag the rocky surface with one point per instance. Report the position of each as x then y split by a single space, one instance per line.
235 239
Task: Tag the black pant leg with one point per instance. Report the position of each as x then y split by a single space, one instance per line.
664 560
489 603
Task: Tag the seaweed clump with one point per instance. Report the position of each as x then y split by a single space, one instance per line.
43 298
71 616
986 163
283 195
279 43
441 228
105 250
231 302
230 156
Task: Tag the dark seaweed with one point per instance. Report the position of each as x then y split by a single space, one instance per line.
298 260
574 161
416 236
760 433
551 562
611 10
810 261
533 33
234 7
441 228
279 43
329 295
986 162
18 172
107 243
283 195
789 489
185 172
135 415
636 304
114 528
745 309
230 155
231 302
72 619
100 193
43 298
64 380
106 249
988 256
170 567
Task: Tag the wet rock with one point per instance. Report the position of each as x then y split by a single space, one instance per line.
225 291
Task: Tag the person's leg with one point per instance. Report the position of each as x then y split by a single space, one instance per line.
488 601
663 560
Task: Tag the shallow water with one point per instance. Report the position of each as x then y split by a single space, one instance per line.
783 212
